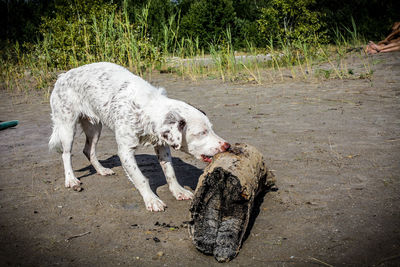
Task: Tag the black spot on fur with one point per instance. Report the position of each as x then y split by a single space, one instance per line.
124 85
104 77
182 124
165 135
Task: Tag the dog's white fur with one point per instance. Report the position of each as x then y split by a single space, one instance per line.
138 113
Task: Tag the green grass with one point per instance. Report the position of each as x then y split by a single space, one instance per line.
114 38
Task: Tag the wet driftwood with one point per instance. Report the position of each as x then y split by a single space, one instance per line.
224 200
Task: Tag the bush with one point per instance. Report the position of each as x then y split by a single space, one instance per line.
292 20
91 31
68 34
207 20
373 18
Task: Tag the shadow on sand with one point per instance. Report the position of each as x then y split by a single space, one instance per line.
186 174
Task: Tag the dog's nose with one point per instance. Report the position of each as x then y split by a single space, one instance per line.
225 146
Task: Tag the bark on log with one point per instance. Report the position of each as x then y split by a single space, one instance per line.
224 200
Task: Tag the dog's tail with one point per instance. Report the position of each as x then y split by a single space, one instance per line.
55 141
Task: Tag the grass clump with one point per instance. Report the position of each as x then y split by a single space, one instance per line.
92 33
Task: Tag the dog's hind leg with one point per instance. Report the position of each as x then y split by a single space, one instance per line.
92 132
66 135
164 157
64 124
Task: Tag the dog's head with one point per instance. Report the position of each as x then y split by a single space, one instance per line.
190 131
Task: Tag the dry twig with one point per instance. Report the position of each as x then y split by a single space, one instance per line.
75 236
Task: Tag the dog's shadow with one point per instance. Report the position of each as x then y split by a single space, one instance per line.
186 174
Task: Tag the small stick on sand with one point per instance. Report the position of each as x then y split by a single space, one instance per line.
321 262
75 236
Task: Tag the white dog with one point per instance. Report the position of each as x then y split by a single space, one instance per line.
138 113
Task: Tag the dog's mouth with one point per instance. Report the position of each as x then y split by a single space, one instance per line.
206 158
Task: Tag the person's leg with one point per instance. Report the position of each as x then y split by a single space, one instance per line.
391 47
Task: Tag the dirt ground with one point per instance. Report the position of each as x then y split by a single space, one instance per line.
333 145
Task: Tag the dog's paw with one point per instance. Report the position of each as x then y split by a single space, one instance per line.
72 183
181 193
105 172
155 204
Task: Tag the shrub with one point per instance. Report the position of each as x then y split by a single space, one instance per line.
292 20
90 31
69 32
207 20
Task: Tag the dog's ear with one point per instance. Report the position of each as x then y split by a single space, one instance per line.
172 129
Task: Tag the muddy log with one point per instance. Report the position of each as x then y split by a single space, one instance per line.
224 200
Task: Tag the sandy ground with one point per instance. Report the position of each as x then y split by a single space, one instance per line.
334 147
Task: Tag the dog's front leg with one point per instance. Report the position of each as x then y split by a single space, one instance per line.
128 161
164 157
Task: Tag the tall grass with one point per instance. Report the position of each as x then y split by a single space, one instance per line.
113 37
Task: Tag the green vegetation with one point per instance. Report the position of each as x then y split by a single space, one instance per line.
195 39
293 20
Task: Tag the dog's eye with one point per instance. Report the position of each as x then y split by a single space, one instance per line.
203 132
